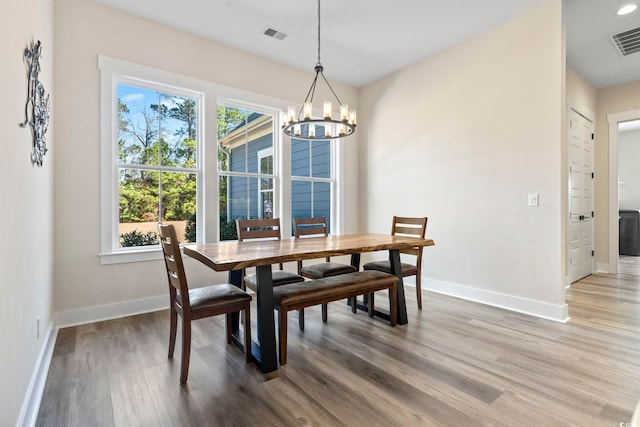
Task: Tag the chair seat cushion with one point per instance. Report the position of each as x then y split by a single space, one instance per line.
407 269
279 277
326 269
216 296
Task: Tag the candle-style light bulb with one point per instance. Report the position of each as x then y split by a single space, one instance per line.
312 131
291 112
327 131
307 110
327 109
344 112
341 130
296 130
352 117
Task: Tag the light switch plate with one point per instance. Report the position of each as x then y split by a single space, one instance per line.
533 199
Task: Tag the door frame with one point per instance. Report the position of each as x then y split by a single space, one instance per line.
613 120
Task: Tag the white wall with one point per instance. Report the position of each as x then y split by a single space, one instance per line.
628 170
463 137
26 212
83 30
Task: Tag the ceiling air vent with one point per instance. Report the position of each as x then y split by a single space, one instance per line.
627 42
272 32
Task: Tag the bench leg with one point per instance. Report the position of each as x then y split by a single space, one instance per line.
324 313
301 319
282 331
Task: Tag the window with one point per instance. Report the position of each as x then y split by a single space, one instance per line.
245 166
312 179
151 140
153 168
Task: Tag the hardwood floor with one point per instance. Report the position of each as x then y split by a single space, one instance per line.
456 363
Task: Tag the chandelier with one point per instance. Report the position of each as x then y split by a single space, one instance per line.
301 124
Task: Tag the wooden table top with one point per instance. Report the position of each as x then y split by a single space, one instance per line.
234 255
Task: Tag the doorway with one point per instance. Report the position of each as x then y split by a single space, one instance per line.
614 120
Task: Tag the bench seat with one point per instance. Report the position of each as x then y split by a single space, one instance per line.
296 296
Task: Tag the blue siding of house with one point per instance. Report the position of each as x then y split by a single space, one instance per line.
243 189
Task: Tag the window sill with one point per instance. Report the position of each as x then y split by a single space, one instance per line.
136 255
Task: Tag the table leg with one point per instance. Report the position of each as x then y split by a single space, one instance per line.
396 268
235 278
264 351
355 261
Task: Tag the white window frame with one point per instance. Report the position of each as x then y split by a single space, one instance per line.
261 155
112 73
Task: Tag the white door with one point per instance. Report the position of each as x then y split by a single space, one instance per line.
580 196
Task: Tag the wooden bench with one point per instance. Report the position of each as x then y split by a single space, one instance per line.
296 296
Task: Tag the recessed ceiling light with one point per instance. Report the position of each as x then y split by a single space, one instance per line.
627 9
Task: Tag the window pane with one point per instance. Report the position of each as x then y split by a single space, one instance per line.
145 199
243 198
178 203
300 165
322 201
178 131
301 201
242 134
321 159
138 207
311 158
311 200
156 128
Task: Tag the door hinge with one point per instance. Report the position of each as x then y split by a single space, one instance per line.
593 175
592 214
593 253
593 136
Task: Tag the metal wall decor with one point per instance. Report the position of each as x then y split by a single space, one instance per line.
37 108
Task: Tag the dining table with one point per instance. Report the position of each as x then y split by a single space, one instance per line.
234 256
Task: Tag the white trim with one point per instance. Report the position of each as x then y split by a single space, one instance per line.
116 310
602 268
612 121
557 313
33 397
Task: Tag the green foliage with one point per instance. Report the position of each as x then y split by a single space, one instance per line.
190 229
228 229
136 238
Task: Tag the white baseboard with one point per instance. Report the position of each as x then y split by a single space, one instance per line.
557 313
602 268
31 404
99 313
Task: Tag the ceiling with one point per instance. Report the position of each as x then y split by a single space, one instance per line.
364 40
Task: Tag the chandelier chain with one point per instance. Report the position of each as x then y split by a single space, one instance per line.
318 32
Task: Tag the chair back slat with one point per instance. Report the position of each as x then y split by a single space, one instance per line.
173 261
258 229
408 226
310 227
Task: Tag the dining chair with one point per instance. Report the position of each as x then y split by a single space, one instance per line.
198 303
266 229
406 226
317 227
